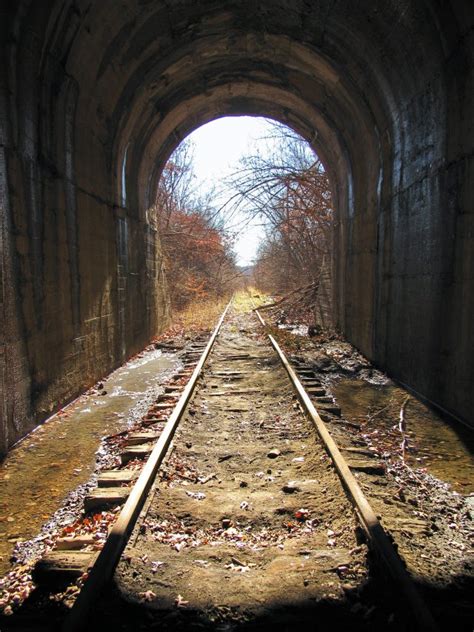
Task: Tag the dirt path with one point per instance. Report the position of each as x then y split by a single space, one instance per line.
249 525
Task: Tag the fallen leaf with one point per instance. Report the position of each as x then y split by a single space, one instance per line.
301 514
155 566
180 602
148 595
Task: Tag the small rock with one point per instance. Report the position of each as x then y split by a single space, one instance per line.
196 495
291 487
243 484
231 531
274 453
226 523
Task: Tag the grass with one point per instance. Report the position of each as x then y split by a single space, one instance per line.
201 315
248 299
204 314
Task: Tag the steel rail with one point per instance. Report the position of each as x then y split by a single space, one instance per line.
377 536
108 558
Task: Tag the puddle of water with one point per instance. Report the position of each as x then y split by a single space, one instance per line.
446 451
58 456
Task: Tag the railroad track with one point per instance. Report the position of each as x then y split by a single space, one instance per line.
233 380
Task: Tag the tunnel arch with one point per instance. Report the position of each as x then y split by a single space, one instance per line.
382 91
236 85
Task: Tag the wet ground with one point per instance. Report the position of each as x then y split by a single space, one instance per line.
421 478
249 526
60 455
445 449
415 468
433 441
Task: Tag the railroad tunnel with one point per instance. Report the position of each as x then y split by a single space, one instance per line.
94 97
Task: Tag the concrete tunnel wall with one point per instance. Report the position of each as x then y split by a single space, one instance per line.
90 89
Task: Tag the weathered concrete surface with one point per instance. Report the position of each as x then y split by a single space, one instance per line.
95 93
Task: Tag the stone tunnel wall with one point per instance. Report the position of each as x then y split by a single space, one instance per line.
382 89
82 276
408 271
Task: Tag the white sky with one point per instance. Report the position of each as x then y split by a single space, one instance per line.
218 146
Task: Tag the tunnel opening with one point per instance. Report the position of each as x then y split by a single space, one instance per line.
244 200
95 97
91 100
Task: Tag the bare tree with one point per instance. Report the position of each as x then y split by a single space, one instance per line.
289 189
198 252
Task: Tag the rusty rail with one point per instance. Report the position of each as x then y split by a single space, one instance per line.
376 534
379 541
108 558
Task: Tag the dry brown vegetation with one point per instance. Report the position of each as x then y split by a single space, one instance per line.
199 261
289 191
284 185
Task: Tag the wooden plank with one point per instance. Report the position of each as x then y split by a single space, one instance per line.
226 376
167 396
172 389
135 438
230 373
235 392
360 451
136 452
101 496
74 543
114 478
329 408
154 418
57 568
317 391
369 467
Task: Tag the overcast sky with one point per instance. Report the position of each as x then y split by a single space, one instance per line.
218 147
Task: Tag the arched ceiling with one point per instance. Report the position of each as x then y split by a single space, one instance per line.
150 72
382 89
